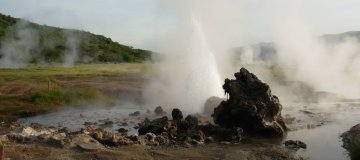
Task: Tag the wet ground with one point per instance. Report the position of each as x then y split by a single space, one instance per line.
317 124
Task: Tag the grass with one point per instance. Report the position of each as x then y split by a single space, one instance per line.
354 149
68 97
35 74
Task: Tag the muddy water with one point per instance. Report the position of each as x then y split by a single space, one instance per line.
322 141
75 118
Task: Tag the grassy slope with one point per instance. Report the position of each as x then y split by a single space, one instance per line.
52 43
14 107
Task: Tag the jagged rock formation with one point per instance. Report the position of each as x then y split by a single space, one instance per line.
250 106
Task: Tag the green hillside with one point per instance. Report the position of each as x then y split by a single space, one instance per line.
52 43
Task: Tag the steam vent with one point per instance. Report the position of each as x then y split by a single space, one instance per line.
250 106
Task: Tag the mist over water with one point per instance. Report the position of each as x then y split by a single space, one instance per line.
186 80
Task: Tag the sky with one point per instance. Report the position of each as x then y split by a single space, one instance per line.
145 23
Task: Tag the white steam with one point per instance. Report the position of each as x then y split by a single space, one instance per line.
186 80
71 54
17 46
331 68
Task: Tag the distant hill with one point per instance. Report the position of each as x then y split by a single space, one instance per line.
51 44
266 52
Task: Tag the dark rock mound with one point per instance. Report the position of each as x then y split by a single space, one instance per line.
177 114
295 144
351 136
158 126
250 106
221 134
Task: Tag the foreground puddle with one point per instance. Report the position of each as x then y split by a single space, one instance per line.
322 141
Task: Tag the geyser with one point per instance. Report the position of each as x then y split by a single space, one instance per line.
188 79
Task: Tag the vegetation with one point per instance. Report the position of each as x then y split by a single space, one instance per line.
52 43
45 100
355 148
68 97
36 74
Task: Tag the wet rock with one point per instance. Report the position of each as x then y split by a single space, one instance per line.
290 120
306 111
88 123
295 144
192 121
158 126
225 142
251 106
137 113
122 130
222 134
159 111
124 124
350 137
2 124
176 114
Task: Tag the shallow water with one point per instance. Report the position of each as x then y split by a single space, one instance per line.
323 142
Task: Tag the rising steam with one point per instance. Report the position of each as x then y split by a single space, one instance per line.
18 45
188 79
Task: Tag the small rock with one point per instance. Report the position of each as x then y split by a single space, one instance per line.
209 140
295 144
290 120
177 114
193 121
225 142
135 113
159 111
148 111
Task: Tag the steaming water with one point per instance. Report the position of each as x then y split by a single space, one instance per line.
201 79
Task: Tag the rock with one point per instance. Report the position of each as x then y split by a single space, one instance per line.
209 140
295 144
198 136
3 139
192 121
211 103
64 130
163 139
222 134
225 142
105 137
290 120
159 111
122 130
135 113
148 111
251 106
176 114
89 147
186 144
350 137
158 126
37 126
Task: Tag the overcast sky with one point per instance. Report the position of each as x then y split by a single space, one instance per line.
140 23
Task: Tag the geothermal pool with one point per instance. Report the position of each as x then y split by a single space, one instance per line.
322 141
